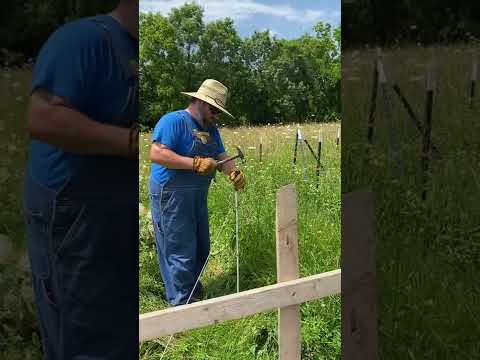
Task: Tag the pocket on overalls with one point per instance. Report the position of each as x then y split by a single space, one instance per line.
38 235
67 221
155 211
167 201
37 208
170 203
162 206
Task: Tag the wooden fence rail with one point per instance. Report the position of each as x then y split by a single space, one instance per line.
286 295
235 306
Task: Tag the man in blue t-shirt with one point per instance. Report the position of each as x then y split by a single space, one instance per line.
81 187
186 147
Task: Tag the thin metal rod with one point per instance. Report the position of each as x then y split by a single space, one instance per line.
310 148
473 81
302 154
373 104
427 141
193 290
237 241
261 148
472 92
188 300
295 149
426 150
412 114
198 278
319 154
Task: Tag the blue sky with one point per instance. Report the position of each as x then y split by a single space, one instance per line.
284 18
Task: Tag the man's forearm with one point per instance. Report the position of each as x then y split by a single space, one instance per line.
171 160
59 125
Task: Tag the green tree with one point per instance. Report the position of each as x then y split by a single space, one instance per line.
219 58
158 68
269 80
188 24
257 52
26 25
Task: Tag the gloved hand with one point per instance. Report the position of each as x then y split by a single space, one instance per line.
237 177
204 166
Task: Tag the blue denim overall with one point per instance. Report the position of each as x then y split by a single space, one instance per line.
83 246
180 217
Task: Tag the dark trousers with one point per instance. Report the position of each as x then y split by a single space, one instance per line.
180 218
84 259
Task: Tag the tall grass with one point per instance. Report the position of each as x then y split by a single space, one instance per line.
427 251
19 332
255 337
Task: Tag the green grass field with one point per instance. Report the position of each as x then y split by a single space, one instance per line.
13 139
18 331
427 251
255 337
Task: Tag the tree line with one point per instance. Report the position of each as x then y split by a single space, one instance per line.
388 23
26 25
270 80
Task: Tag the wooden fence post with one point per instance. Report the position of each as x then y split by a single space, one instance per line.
289 341
359 294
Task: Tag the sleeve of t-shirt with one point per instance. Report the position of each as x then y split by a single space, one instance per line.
218 140
67 62
167 131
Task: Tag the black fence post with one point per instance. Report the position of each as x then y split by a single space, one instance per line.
412 115
295 150
319 154
261 148
427 134
373 104
310 148
473 81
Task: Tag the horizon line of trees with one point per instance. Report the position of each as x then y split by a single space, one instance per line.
270 80
389 23
26 25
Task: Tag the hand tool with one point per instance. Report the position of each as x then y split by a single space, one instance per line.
239 155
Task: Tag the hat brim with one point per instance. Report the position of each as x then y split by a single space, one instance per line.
207 100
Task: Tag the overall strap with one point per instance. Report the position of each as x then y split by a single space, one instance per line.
120 50
187 120
118 46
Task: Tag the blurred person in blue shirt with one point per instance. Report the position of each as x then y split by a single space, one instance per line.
186 146
81 187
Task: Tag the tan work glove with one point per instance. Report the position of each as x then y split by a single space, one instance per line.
204 166
237 177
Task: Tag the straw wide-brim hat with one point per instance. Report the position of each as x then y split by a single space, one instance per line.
212 92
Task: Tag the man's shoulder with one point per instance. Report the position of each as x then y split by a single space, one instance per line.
174 117
77 35
87 24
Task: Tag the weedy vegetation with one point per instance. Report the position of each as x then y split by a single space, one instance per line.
256 337
427 250
19 332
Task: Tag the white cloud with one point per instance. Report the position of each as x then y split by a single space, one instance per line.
242 10
271 32
314 15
